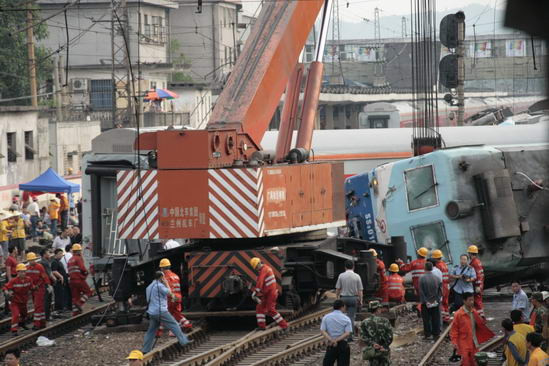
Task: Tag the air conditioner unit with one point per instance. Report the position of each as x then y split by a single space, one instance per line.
79 85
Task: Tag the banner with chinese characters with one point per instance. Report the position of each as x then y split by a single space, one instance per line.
480 49
364 54
515 48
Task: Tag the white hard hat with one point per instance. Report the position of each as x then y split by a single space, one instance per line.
545 295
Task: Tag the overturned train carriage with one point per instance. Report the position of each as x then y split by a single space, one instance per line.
494 197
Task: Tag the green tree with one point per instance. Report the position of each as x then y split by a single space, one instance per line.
179 62
14 71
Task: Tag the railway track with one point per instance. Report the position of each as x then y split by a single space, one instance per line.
243 348
442 350
56 327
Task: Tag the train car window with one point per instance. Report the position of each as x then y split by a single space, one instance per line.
431 236
421 188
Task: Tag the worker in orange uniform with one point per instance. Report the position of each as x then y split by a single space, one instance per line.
265 294
440 264
468 331
417 267
395 285
18 290
41 283
479 282
63 210
53 212
80 291
175 303
382 291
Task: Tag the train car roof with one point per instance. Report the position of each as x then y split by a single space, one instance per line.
398 140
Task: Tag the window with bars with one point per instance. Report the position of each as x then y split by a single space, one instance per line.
29 145
101 94
12 147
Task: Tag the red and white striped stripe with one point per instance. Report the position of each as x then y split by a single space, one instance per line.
137 204
235 203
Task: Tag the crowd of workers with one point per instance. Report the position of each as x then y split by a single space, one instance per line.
452 296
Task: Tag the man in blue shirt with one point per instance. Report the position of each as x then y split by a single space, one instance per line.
157 298
336 328
464 276
520 301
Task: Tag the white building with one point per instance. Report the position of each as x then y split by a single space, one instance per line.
89 51
195 101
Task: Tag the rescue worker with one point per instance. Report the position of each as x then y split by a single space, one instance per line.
536 317
443 267
468 330
479 281
18 234
514 350
80 291
19 289
519 326
395 285
175 304
265 294
382 290
377 335
41 283
135 358
417 267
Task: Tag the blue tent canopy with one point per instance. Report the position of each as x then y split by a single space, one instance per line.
50 181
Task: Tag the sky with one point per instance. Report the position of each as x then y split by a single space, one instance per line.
365 8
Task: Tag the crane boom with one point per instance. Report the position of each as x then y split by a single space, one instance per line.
270 54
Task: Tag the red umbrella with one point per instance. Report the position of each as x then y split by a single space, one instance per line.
159 94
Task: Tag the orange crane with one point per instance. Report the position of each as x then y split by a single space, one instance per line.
218 182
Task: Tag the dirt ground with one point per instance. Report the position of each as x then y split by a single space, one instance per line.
103 347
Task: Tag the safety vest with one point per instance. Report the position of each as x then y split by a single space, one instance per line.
444 269
266 281
21 288
4 230
381 272
19 230
479 271
77 270
37 273
174 283
417 268
395 286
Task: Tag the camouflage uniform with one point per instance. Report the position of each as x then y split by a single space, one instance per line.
540 311
376 330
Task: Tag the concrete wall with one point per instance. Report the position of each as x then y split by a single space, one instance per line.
68 141
18 121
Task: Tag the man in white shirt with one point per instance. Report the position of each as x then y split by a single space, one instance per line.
66 257
62 240
34 212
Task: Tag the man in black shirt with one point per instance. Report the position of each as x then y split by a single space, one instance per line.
61 287
76 236
45 261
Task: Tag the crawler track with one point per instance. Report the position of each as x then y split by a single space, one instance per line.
27 338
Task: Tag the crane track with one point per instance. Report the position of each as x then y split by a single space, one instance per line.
27 338
210 349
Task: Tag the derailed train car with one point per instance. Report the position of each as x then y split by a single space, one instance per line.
494 197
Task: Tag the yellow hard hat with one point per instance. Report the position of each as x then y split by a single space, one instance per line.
254 262
436 254
472 249
373 251
165 262
394 268
423 251
21 267
135 355
31 256
76 247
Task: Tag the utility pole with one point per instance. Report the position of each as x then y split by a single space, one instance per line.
31 59
57 90
121 76
460 17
